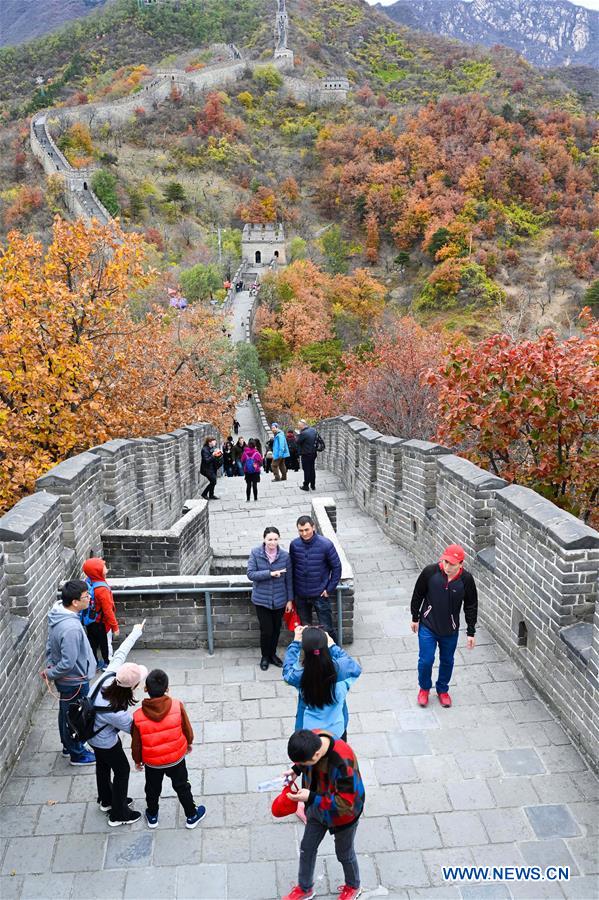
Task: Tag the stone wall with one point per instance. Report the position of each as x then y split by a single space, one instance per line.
175 606
182 549
536 566
44 539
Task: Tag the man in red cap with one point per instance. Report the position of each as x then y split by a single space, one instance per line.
439 593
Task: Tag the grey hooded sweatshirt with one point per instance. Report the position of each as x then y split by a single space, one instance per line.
68 651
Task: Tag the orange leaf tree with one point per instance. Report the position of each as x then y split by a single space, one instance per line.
76 366
528 410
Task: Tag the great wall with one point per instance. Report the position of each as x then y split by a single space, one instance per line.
505 777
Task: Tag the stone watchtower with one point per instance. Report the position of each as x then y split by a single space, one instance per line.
282 51
263 244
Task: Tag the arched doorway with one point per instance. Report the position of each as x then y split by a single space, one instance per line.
258 257
276 254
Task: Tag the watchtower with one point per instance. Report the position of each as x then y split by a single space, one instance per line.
263 244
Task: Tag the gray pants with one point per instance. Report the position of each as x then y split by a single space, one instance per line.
344 851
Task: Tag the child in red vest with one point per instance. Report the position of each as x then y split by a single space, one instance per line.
161 737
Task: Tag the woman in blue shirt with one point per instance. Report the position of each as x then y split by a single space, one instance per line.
269 569
323 681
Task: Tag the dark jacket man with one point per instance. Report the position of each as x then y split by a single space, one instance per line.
316 566
437 601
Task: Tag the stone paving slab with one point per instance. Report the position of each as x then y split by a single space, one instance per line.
492 781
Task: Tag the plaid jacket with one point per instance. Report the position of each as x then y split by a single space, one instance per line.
335 784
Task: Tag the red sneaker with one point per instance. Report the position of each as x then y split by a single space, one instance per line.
422 697
444 700
299 893
348 893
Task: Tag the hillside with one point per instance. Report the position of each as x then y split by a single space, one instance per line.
491 219
546 32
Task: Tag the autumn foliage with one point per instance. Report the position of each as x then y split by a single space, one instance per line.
528 411
77 368
457 165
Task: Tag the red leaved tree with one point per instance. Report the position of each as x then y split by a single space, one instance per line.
529 411
386 388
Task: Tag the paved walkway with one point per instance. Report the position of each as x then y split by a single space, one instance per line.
492 781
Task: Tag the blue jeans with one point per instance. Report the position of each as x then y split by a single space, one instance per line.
67 693
322 605
427 646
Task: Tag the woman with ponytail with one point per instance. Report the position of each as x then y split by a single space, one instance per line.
323 681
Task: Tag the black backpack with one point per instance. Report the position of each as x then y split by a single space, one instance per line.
319 444
81 714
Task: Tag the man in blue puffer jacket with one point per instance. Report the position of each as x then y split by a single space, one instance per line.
316 574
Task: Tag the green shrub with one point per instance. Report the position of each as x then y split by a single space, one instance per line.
104 187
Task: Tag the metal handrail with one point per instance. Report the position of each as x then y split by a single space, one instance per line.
207 592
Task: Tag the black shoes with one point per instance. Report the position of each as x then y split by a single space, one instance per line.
304 488
274 659
264 663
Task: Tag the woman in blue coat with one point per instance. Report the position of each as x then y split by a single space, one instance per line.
269 569
322 682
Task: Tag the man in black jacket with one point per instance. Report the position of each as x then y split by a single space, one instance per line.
439 593
306 447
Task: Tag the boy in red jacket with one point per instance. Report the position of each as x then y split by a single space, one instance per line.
100 630
161 737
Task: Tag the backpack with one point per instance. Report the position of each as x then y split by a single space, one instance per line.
319 444
250 466
92 613
81 714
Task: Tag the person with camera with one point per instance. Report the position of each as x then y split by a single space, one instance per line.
269 570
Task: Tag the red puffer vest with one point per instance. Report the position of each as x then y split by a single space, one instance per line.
163 743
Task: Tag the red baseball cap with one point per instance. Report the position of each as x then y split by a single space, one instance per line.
454 554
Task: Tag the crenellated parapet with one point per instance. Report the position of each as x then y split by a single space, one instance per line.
536 565
135 487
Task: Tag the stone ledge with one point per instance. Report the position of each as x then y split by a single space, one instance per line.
29 514
564 528
579 639
71 472
469 473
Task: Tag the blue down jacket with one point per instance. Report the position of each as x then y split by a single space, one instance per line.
268 591
316 566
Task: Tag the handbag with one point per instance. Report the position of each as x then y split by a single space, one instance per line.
282 806
292 619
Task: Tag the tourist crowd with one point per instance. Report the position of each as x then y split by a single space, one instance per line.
323 786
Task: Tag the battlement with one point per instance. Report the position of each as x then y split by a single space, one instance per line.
536 565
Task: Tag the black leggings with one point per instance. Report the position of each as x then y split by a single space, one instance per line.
251 484
270 629
209 489
98 639
113 793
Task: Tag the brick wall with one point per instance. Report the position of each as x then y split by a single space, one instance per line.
536 566
183 549
44 539
175 606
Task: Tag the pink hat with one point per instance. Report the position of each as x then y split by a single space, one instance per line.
130 675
